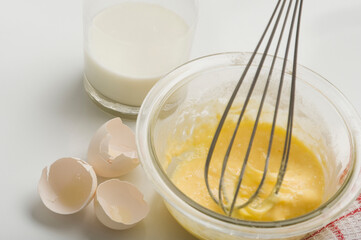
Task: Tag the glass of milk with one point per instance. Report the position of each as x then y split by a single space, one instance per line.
130 44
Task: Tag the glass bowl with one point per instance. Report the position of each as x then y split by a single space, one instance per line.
324 120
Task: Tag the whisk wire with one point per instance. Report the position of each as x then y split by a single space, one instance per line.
255 194
229 104
244 107
284 162
287 145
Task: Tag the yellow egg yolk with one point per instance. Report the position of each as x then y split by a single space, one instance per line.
301 191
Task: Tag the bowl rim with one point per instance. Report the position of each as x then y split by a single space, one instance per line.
196 212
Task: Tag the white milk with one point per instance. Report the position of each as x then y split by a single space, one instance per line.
132 45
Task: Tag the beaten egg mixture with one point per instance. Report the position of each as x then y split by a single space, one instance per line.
302 189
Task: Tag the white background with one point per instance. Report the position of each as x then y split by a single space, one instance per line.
45 113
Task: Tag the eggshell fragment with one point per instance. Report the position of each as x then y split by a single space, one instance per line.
67 185
119 204
112 150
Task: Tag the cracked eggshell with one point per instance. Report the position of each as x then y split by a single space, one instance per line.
112 150
67 185
119 204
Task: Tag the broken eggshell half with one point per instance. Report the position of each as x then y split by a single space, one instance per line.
112 150
119 204
67 185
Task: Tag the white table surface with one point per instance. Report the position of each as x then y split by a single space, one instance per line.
45 113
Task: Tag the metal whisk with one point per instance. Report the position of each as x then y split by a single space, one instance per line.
282 8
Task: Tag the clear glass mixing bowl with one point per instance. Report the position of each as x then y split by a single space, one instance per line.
324 120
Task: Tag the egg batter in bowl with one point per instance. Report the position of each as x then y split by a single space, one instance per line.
302 189
176 124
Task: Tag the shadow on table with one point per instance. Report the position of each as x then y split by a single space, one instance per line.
76 103
83 225
159 224
53 221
